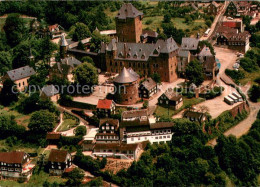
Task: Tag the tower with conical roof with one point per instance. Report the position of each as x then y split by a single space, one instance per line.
126 87
129 24
63 46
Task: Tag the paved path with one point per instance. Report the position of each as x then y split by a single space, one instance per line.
242 127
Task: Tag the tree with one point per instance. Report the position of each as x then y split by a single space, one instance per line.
75 177
169 30
47 48
81 32
5 62
254 93
156 77
194 72
80 131
86 74
42 121
96 40
167 18
81 46
96 182
9 93
14 29
146 104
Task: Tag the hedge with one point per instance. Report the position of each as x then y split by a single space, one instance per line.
76 104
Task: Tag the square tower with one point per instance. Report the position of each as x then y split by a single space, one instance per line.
129 24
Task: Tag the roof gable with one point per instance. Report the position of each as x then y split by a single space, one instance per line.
128 11
58 155
104 104
20 73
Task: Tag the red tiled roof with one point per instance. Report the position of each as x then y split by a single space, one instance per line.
104 103
57 155
12 157
51 27
231 24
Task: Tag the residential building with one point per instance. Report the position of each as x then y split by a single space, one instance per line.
16 165
55 30
126 87
50 92
213 8
195 116
239 41
190 44
89 140
58 161
184 58
147 88
239 8
64 69
108 131
209 63
171 99
136 132
234 24
133 115
106 107
129 24
20 76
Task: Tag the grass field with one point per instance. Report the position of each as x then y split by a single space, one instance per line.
29 148
37 179
249 77
156 22
161 111
67 124
21 119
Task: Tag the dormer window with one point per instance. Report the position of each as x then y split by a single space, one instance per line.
128 55
143 56
135 55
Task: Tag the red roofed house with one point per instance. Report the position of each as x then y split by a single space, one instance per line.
235 24
15 165
106 107
55 30
58 161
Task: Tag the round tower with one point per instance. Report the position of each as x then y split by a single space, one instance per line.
126 88
63 46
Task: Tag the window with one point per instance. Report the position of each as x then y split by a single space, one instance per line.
156 137
132 139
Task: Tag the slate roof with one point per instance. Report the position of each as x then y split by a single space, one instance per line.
125 77
20 73
14 157
110 121
104 103
71 61
149 83
173 96
236 37
183 53
193 114
50 90
189 43
135 113
58 155
205 52
128 11
149 33
65 65
140 51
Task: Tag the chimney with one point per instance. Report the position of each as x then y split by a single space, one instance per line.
124 50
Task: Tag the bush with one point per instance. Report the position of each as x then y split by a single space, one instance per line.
216 91
80 131
248 64
254 93
208 22
148 22
235 75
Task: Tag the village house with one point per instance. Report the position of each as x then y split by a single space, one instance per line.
58 161
239 8
108 131
16 165
171 99
20 76
209 63
190 44
63 69
50 92
213 8
55 30
195 116
234 24
183 60
133 115
106 107
147 88
239 41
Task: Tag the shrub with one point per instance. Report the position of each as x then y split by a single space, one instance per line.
248 64
148 22
80 131
235 75
254 93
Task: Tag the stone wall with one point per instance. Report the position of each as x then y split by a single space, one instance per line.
239 108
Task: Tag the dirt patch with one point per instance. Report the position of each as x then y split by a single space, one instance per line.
116 165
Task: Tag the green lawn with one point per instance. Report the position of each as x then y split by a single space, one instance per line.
156 22
161 111
249 77
29 148
37 179
67 124
21 119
